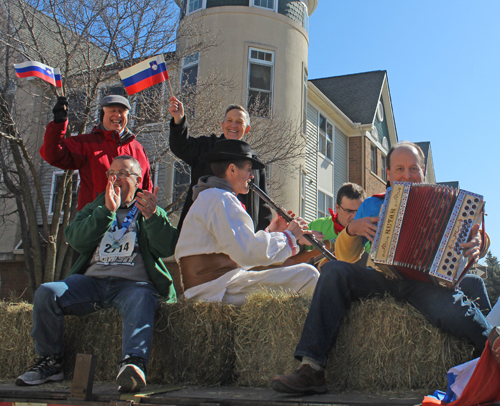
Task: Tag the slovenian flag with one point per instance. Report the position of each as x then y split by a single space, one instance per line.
58 77
37 69
145 74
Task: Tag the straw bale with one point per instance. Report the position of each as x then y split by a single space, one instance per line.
194 343
99 333
269 326
17 348
384 344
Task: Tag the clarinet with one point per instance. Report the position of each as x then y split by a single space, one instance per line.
282 212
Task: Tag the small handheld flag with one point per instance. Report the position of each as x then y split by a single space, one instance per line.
57 77
37 69
144 74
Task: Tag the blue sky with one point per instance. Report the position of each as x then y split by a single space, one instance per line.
443 64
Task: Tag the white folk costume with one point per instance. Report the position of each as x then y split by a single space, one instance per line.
217 247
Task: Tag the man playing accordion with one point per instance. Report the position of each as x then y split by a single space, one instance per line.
341 283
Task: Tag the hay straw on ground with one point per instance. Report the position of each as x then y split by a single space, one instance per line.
388 345
269 328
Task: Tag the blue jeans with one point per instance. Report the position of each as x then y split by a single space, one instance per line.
80 295
342 283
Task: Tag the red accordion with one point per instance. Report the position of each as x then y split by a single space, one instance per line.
420 230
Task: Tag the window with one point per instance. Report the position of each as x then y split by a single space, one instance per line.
76 115
189 76
384 164
189 81
302 194
304 102
182 180
195 5
148 106
57 179
260 82
373 158
269 4
324 202
325 144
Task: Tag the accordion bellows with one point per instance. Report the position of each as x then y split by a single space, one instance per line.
420 230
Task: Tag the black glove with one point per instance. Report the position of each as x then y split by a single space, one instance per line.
60 110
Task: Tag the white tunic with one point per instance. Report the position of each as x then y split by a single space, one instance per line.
217 223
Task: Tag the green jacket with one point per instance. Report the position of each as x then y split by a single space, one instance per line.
156 237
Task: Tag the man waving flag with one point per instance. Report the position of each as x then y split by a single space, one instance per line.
144 74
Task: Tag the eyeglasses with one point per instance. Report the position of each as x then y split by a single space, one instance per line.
122 173
348 211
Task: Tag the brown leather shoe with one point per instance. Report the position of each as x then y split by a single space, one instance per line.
303 380
494 340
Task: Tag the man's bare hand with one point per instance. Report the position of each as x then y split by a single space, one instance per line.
473 246
278 224
365 227
112 197
176 109
146 202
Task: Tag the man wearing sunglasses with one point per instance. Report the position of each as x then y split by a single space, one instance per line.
121 237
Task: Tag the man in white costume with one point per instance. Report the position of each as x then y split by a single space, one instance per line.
218 246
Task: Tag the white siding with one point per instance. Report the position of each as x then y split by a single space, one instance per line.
311 163
341 156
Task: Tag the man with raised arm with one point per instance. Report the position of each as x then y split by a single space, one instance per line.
341 283
121 237
91 154
218 246
235 126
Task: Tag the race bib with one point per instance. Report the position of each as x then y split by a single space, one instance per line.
111 248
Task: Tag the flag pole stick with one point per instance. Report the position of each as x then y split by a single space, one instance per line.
168 80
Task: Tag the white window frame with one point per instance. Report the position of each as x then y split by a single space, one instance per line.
55 174
373 158
304 100
383 162
303 179
203 6
256 61
275 5
188 62
323 138
327 206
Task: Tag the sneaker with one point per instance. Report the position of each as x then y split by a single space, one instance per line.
304 379
45 369
132 374
494 340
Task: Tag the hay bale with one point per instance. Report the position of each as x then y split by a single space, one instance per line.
17 348
98 333
194 343
269 326
384 344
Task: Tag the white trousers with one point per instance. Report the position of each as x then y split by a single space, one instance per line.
234 286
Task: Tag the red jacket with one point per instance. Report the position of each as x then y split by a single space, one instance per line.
91 154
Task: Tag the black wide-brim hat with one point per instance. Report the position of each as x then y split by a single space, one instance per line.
226 150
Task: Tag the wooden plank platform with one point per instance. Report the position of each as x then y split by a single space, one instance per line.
173 395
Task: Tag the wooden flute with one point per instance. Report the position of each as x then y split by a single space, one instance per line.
283 213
